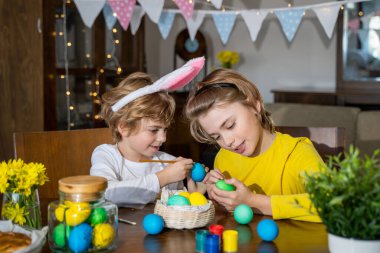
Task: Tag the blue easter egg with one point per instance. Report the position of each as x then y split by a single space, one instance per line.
198 172
153 224
267 230
80 238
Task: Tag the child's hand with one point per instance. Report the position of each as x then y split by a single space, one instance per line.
213 176
175 172
231 199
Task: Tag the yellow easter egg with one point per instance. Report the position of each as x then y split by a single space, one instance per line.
59 212
185 194
197 199
102 235
77 213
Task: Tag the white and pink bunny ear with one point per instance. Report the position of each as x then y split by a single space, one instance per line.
170 82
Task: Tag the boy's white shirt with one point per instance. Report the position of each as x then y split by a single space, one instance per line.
131 184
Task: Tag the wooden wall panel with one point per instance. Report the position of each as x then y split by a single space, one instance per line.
21 71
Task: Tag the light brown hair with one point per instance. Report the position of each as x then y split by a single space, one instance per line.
223 86
158 106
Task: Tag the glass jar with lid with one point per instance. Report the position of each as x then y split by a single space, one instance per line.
82 220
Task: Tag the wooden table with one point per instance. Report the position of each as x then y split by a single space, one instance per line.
294 236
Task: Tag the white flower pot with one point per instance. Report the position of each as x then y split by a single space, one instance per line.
339 244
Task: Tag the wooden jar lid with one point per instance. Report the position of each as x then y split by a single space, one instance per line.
82 184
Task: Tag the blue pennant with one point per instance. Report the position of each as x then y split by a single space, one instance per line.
109 17
165 23
224 23
290 20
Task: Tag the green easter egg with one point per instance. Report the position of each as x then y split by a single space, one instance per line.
221 184
97 216
178 200
59 235
243 214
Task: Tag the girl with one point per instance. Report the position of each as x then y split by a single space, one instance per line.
139 114
262 164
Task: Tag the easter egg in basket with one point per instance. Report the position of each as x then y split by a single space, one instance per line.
197 199
178 200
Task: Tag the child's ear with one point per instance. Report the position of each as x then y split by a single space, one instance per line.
122 130
258 107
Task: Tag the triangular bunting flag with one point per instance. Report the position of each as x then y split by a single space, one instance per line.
109 17
186 7
194 23
290 20
165 23
224 23
89 10
153 8
123 10
217 3
327 17
254 20
138 13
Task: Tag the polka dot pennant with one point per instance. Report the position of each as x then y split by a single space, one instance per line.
186 7
123 10
290 20
165 23
224 23
109 17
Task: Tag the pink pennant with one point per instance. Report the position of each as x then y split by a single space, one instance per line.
186 7
354 25
123 10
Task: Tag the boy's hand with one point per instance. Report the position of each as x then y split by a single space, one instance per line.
175 172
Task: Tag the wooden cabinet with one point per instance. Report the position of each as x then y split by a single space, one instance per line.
81 63
358 56
305 96
31 70
21 68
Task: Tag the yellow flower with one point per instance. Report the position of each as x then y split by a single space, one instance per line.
15 213
228 58
19 177
3 177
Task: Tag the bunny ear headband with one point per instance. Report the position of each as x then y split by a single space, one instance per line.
172 81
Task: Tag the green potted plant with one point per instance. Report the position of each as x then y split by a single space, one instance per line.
346 195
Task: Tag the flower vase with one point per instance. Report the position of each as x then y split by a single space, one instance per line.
22 209
227 65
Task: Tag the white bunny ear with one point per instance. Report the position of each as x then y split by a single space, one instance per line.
172 81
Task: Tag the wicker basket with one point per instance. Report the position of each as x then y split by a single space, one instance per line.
185 216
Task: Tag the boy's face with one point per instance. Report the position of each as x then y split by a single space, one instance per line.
234 127
144 142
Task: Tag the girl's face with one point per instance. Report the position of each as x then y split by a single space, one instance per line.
145 142
234 127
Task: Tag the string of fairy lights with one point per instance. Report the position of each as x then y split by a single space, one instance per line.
95 83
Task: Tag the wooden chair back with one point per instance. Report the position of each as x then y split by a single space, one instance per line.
327 140
64 153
